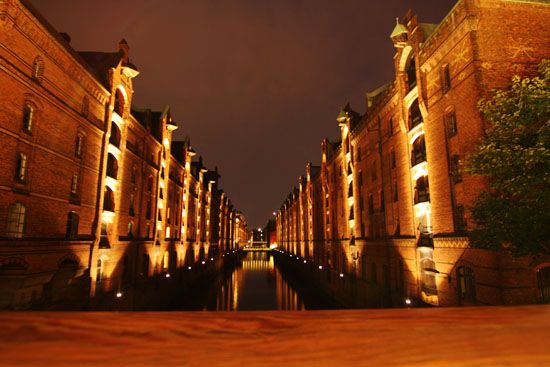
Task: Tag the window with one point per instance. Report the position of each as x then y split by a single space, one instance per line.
131 211
28 117
148 210
411 74
130 229
415 116
167 232
395 192
392 159
358 153
15 226
147 230
429 285
21 170
460 221
543 280
421 190
452 127
112 166
72 225
85 110
74 184
165 261
418 151
38 69
116 136
99 272
456 169
119 103
133 177
466 284
360 178
78 146
390 127
445 79
109 200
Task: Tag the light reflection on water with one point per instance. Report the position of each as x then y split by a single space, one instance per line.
255 284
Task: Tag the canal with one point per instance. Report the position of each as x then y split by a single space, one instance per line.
254 281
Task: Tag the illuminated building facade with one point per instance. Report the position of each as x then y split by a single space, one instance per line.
96 198
388 207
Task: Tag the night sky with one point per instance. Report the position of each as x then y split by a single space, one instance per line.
256 84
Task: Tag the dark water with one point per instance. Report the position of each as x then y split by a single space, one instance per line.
254 282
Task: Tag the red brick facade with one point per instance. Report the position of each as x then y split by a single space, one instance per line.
96 200
389 205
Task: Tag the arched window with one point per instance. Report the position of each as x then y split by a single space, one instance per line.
28 117
109 200
415 117
72 225
119 102
21 169
112 166
418 151
466 284
116 136
421 190
15 226
429 285
38 68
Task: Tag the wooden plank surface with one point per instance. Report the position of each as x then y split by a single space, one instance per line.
480 336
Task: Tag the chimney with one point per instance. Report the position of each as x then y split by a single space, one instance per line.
65 36
123 46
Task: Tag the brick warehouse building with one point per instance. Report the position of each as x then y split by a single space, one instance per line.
96 199
385 216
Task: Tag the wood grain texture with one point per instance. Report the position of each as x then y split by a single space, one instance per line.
489 336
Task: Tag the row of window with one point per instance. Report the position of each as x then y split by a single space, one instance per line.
17 218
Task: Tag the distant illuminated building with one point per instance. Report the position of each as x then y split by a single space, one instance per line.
389 202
